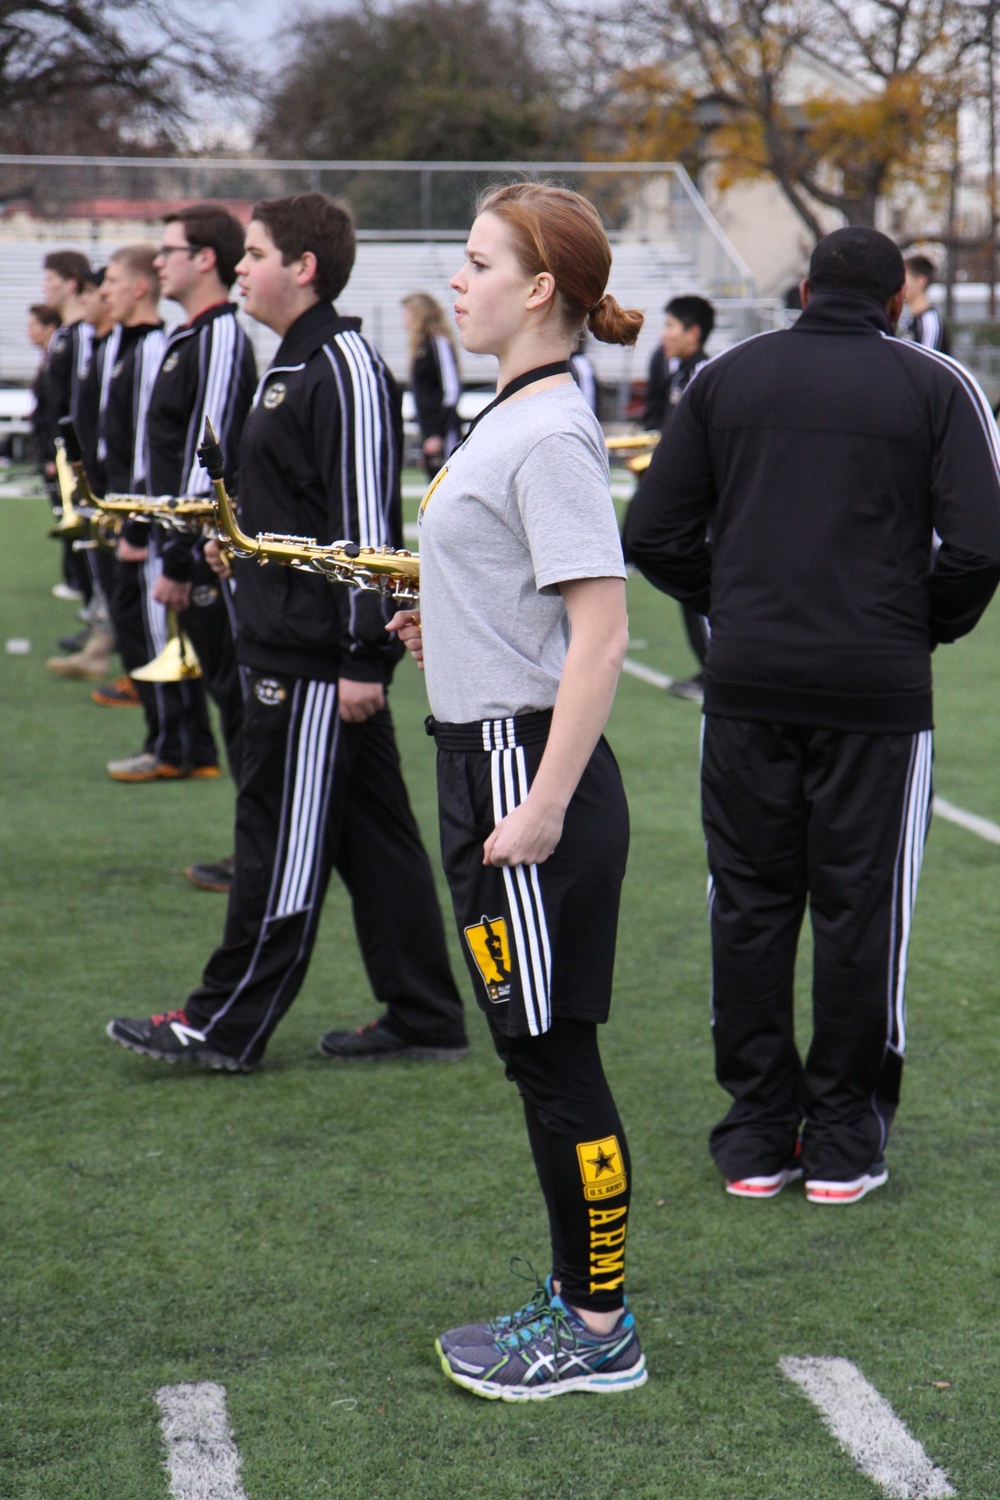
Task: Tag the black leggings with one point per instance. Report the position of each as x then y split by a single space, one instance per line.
581 1156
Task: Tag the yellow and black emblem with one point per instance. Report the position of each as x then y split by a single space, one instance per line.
601 1168
429 492
490 947
275 394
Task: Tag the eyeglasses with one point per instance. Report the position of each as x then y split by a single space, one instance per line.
166 250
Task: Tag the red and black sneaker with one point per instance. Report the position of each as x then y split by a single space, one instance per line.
819 1191
122 693
171 1038
768 1185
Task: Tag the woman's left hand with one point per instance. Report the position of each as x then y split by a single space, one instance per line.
526 836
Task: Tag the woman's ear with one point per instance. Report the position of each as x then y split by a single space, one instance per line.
543 290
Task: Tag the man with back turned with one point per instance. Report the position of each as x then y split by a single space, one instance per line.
796 499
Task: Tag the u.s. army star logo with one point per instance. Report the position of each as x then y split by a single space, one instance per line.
601 1168
170 363
489 946
275 394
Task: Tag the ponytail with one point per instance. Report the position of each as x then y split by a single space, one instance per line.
613 324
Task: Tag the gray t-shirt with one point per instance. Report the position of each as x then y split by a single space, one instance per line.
525 505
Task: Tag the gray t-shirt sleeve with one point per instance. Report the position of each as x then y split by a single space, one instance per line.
561 501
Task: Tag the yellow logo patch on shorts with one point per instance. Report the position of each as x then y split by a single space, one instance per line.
602 1168
490 947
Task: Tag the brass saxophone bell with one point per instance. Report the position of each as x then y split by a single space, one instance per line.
177 662
69 526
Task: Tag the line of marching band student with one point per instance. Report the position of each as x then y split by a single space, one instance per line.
522 660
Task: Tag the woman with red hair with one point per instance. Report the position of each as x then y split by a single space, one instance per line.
522 632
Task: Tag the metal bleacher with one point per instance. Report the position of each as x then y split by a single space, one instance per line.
671 245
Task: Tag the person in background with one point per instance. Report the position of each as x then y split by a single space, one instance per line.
64 274
92 660
131 292
585 376
921 322
687 329
434 378
42 324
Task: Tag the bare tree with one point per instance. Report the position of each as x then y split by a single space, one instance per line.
78 77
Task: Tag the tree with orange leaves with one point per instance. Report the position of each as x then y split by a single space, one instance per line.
836 101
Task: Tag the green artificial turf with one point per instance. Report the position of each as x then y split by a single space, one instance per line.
301 1235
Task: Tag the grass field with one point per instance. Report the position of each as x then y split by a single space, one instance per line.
301 1235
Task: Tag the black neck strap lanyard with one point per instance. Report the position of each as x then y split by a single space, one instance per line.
541 372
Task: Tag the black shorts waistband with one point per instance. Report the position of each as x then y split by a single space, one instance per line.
491 734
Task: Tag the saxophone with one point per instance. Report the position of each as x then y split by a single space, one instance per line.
385 570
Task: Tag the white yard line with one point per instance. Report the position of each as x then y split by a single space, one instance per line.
646 674
972 821
865 1424
202 1459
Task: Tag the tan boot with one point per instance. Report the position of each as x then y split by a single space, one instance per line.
92 663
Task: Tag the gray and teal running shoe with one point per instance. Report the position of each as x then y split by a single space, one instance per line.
477 1335
552 1354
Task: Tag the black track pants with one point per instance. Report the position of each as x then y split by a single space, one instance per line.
581 1156
316 793
210 624
794 814
177 724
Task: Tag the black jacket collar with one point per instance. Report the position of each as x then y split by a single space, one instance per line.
843 312
310 331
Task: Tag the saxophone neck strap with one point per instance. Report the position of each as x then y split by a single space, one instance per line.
541 372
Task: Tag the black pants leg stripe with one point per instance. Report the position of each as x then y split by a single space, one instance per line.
299 838
909 857
524 898
307 799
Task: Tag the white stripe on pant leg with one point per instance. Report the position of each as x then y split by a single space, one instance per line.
202 1460
541 923
311 769
298 796
915 835
519 878
308 776
520 946
865 1424
322 769
894 914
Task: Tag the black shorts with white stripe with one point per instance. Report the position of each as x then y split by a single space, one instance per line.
539 940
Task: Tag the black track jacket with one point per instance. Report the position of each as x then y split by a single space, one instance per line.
207 370
821 460
319 458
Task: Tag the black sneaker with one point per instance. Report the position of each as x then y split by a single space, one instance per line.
217 877
171 1038
74 643
377 1040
